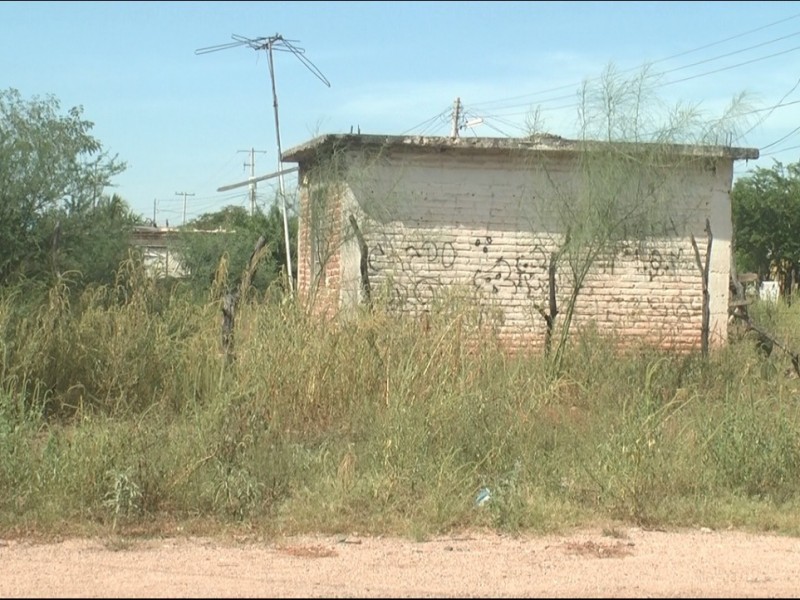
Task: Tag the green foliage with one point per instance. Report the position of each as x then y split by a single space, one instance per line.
201 252
53 215
634 467
118 409
626 183
766 219
93 242
755 446
124 494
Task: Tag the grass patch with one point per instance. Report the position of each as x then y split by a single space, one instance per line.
119 413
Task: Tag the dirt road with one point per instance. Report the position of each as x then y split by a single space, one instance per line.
621 562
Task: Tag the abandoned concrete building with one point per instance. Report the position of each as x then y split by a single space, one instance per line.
411 217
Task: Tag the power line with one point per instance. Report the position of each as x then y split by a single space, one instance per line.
673 70
490 126
656 86
434 126
507 123
500 131
773 107
204 200
773 153
726 55
741 64
427 122
763 119
684 53
778 141
498 116
216 174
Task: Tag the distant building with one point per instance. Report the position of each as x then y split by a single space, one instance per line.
161 248
158 246
438 212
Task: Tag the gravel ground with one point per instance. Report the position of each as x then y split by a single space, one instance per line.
630 563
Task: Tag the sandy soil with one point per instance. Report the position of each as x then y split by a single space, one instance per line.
631 562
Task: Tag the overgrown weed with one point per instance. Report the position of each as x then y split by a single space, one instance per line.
118 409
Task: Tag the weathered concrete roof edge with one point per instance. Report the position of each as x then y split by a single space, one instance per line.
318 146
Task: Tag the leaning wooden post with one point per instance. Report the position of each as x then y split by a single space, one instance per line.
704 270
231 300
362 244
550 317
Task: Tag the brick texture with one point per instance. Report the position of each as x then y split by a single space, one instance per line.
483 229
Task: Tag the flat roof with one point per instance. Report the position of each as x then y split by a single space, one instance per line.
324 144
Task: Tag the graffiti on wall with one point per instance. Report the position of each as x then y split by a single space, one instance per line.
414 266
520 273
650 261
639 310
417 269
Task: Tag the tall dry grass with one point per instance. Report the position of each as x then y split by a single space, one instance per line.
117 408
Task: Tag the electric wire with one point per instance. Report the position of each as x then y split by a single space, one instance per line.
779 151
769 114
661 60
427 121
728 68
778 141
656 86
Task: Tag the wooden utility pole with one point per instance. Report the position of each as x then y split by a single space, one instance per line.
704 274
456 117
184 194
252 165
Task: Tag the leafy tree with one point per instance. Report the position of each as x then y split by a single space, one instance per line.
237 233
766 219
92 241
621 193
53 216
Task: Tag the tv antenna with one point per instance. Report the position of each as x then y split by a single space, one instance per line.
279 44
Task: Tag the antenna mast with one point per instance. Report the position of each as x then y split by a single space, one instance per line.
279 43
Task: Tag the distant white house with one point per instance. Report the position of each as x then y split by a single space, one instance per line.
160 248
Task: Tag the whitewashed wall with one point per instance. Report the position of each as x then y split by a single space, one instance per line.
484 225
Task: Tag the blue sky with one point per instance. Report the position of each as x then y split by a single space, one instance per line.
181 120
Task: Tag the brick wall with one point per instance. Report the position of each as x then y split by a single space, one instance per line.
319 249
484 228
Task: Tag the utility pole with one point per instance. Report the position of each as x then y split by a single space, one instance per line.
252 165
267 44
155 210
184 194
456 117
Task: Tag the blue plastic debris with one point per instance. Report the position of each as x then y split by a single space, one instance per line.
484 495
